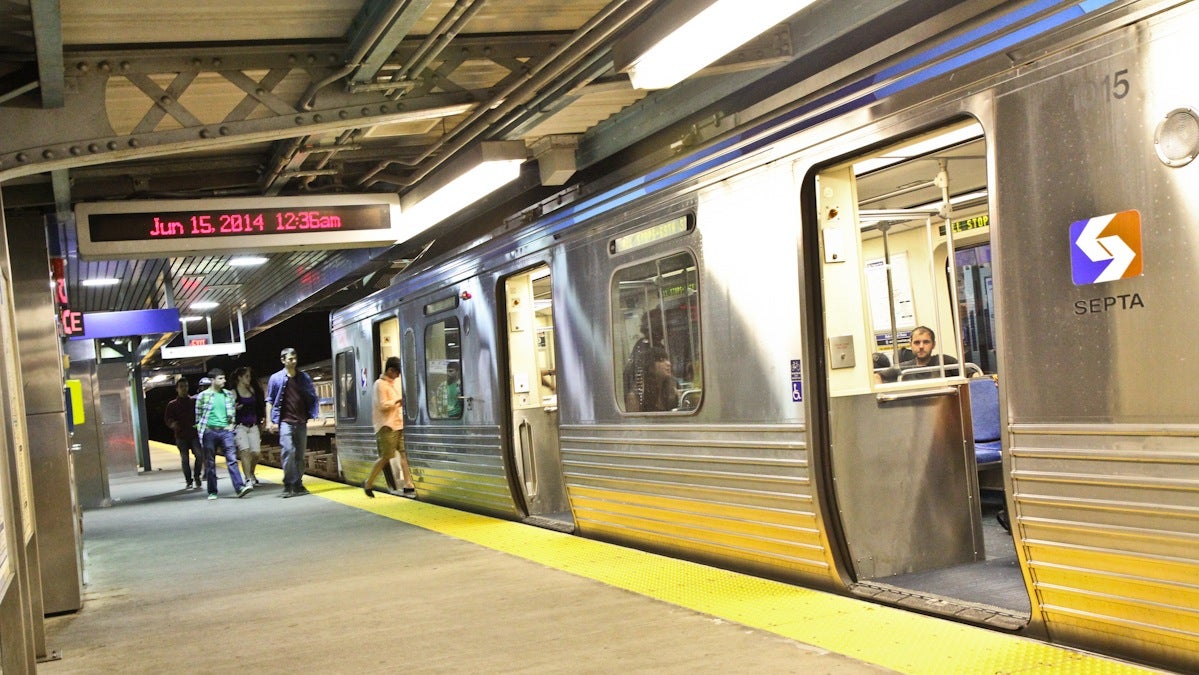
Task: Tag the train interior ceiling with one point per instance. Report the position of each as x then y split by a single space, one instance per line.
922 248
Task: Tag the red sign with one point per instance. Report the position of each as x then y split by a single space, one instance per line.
71 322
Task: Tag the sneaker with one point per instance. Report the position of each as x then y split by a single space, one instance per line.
212 495
288 494
245 490
300 491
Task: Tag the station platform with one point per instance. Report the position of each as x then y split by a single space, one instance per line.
337 582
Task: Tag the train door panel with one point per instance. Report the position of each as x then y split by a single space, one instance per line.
900 432
531 375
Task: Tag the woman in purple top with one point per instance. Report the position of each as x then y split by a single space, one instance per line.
250 403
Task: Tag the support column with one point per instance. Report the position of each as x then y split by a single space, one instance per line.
58 517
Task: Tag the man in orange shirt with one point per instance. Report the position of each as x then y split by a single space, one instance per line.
388 417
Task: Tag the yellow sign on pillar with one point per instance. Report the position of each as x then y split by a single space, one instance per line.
74 390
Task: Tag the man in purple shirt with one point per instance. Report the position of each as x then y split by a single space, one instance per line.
292 396
180 417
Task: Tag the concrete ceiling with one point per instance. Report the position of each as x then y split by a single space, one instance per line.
132 99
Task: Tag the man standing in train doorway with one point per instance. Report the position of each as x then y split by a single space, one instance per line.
292 396
388 417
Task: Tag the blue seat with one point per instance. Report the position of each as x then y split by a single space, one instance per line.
984 408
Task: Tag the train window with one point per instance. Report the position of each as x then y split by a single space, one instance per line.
443 369
655 335
347 393
408 375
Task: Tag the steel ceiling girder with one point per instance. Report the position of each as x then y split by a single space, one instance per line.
82 132
47 38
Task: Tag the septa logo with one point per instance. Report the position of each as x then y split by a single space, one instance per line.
1106 248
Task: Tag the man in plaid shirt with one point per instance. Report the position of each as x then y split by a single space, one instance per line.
214 422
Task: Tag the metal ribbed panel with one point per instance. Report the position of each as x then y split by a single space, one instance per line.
460 465
739 495
1108 518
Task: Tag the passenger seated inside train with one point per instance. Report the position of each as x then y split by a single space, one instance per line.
924 364
655 389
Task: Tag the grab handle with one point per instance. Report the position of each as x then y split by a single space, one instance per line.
916 393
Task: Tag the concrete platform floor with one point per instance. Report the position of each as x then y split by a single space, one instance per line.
177 583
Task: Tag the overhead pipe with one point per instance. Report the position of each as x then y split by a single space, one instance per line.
447 29
362 49
589 37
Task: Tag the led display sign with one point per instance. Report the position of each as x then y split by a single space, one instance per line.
168 228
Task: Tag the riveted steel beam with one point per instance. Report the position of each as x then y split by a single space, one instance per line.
248 80
47 37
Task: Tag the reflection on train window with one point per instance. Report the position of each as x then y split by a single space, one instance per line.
655 335
443 369
408 375
347 393
977 301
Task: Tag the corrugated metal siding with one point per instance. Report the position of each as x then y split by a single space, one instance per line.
460 465
740 495
1108 519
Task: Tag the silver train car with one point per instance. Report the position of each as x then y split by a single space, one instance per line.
834 345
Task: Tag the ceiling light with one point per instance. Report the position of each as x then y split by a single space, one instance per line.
186 319
919 148
246 261
101 282
205 304
675 44
466 179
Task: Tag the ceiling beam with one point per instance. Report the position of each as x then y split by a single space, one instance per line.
75 135
47 38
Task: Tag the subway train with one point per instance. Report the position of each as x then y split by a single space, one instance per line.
837 344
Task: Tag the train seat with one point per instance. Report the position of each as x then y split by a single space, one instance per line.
984 409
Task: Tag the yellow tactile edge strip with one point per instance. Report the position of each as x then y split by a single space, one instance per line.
892 638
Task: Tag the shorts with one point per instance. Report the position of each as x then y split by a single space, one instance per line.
388 441
247 439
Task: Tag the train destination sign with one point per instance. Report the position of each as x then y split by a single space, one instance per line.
167 228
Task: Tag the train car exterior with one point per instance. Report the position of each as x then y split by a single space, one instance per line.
689 361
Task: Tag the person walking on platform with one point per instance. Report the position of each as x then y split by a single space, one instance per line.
389 426
214 422
250 403
292 396
180 417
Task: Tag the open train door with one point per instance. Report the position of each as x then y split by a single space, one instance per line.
902 362
531 375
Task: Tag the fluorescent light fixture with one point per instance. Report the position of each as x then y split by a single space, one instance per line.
205 304
480 171
106 281
247 261
918 149
188 319
702 38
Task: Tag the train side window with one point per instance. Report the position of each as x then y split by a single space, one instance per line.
655 335
443 369
347 392
408 374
